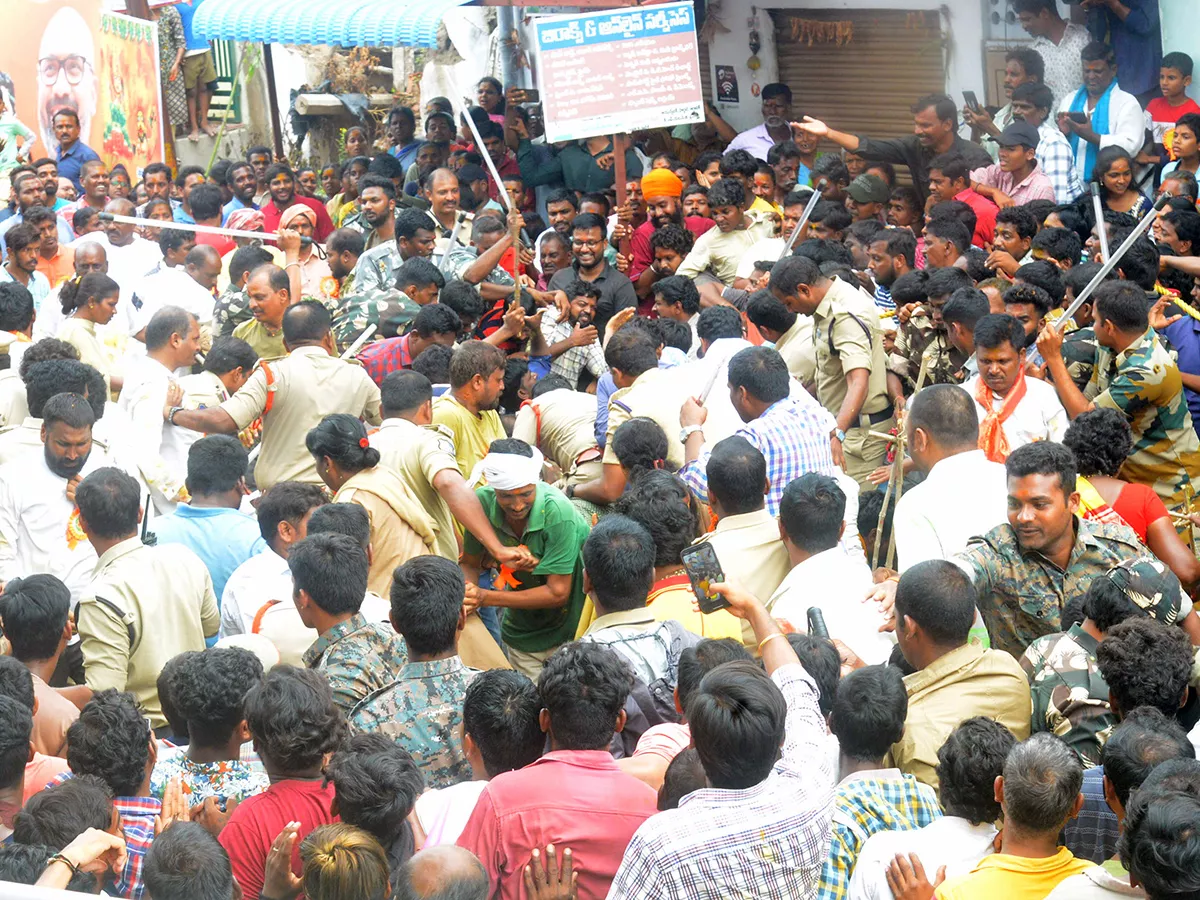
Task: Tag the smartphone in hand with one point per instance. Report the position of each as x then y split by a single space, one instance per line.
703 571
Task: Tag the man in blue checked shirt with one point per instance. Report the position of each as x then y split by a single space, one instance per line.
1056 159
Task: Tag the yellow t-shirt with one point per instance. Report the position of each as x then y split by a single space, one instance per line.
1013 877
268 346
472 434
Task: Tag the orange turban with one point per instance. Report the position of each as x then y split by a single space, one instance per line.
661 183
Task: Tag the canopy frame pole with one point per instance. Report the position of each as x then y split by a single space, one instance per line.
273 102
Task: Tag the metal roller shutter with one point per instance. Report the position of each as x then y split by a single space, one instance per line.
705 72
867 85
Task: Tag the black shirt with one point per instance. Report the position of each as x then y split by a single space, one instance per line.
908 151
616 291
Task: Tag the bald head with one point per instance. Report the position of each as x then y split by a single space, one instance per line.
203 263
440 175
119 235
90 256
442 873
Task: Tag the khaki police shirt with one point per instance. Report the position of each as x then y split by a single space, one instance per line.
166 595
13 407
17 441
796 347
309 385
654 396
857 344
562 424
417 455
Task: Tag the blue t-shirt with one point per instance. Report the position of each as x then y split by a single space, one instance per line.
186 12
223 538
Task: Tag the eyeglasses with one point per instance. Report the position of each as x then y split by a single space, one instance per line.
50 66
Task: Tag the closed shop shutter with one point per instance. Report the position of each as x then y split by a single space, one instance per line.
867 85
705 72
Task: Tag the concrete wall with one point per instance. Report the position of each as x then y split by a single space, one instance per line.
962 21
1181 31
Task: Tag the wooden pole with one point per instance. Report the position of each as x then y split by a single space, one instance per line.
620 142
273 101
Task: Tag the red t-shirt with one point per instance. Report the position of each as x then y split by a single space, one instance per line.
985 216
1163 117
1139 506
257 821
643 256
222 243
272 213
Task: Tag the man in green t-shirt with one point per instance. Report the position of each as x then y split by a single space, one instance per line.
543 605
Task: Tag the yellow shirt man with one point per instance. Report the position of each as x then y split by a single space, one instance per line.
473 434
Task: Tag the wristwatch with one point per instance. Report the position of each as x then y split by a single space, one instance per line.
687 431
570 491
837 433
171 414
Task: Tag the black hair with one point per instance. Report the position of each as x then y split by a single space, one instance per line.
1140 262
1060 244
1043 274
898 242
588 221
1144 739
462 297
59 813
477 358
1021 218
427 600
762 372
277 278
679 290
186 862
247 259
215 465
833 216
664 505
348 240
71 410
953 166
347 519
1185 222
109 503
434 363
332 569
1043 458
375 180
738 162
727 192
831 168
1098 51
166 323
548 383
23 235
435 318
16 719
402 391
911 287
1100 440
639 443
515 370
1122 659
110 739
1107 604
737 716
942 106
210 691
294 719
737 472
342 438
33 613
951 230
206 201
812 511
943 413
1158 843
822 662
995 329
969 762
674 333
1124 304
44 380
167 685
788 149
419 272
76 292
966 306
619 557
1030 60
764 310
500 714
717 322
699 659
583 687
24 863
228 353
630 351
938 596
286 501
305 322
376 783
684 774
869 712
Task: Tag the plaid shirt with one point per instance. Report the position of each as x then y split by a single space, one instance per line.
768 841
136 815
792 434
576 359
1057 162
385 356
865 804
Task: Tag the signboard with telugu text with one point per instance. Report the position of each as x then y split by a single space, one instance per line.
618 71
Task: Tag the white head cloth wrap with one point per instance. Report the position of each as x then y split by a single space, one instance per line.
508 471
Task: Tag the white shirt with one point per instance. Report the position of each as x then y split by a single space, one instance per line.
760 251
1126 125
39 526
835 583
756 140
1064 71
932 521
443 812
172 287
162 449
1038 417
950 841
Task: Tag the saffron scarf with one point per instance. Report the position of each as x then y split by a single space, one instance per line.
992 439
1099 125
1094 507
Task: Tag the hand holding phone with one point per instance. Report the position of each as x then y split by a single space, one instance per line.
971 100
703 571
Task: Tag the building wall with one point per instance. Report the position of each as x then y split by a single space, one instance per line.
962 21
1181 31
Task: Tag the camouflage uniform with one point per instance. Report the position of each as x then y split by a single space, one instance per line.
422 712
231 310
376 268
1144 384
1070 696
460 259
1079 353
911 340
357 657
1022 594
389 308
943 362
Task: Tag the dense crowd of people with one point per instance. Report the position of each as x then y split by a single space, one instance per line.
786 529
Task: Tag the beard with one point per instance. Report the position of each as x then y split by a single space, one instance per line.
64 468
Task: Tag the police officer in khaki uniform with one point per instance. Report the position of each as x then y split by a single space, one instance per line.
561 422
851 367
291 395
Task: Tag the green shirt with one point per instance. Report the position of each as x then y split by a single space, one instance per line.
268 346
554 533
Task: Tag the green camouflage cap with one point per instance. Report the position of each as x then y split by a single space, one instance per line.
1150 585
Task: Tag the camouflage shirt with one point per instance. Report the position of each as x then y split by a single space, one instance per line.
1070 696
1079 353
911 340
231 310
1022 594
388 308
459 259
376 268
422 712
357 657
943 362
